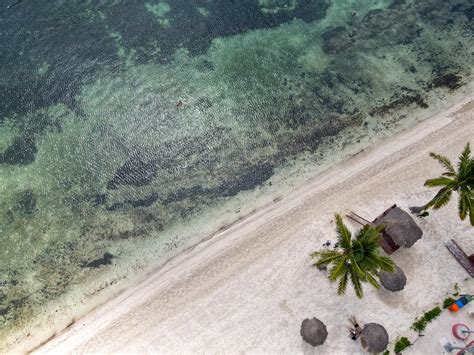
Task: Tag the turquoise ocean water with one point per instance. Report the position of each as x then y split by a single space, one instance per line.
129 129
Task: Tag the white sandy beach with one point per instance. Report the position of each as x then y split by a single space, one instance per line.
248 288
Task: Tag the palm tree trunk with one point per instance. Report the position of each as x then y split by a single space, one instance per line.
418 209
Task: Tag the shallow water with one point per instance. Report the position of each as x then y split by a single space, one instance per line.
128 129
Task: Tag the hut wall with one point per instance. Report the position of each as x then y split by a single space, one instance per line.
387 244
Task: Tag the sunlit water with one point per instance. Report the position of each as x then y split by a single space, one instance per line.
129 129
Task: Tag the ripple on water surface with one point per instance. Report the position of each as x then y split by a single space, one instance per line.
128 130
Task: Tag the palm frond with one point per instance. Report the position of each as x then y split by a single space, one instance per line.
440 181
326 257
371 279
442 199
356 267
367 235
380 228
338 270
464 206
320 253
355 279
449 174
440 195
374 262
383 262
445 162
341 287
464 158
343 234
469 202
369 263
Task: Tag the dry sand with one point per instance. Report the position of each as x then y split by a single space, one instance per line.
248 289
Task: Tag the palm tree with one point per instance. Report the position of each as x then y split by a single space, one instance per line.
357 258
460 180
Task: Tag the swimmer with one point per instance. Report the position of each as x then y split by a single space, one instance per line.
15 3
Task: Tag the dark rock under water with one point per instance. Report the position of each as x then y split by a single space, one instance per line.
141 202
398 103
248 179
104 260
451 81
376 29
251 178
22 150
26 202
135 171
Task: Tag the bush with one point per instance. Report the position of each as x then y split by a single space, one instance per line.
456 290
448 302
420 324
430 315
401 344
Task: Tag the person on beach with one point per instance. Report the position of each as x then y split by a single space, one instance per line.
356 330
353 333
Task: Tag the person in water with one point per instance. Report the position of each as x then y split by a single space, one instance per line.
15 3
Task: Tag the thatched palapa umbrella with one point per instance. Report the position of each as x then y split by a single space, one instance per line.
374 338
313 331
399 228
393 281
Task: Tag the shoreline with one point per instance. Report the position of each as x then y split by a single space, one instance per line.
86 297
196 257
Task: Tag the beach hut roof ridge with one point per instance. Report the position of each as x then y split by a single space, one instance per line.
400 226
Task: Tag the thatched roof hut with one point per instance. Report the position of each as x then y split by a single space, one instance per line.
313 331
393 281
400 230
374 338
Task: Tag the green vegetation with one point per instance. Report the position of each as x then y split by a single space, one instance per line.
460 180
457 289
448 302
420 324
401 345
358 258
